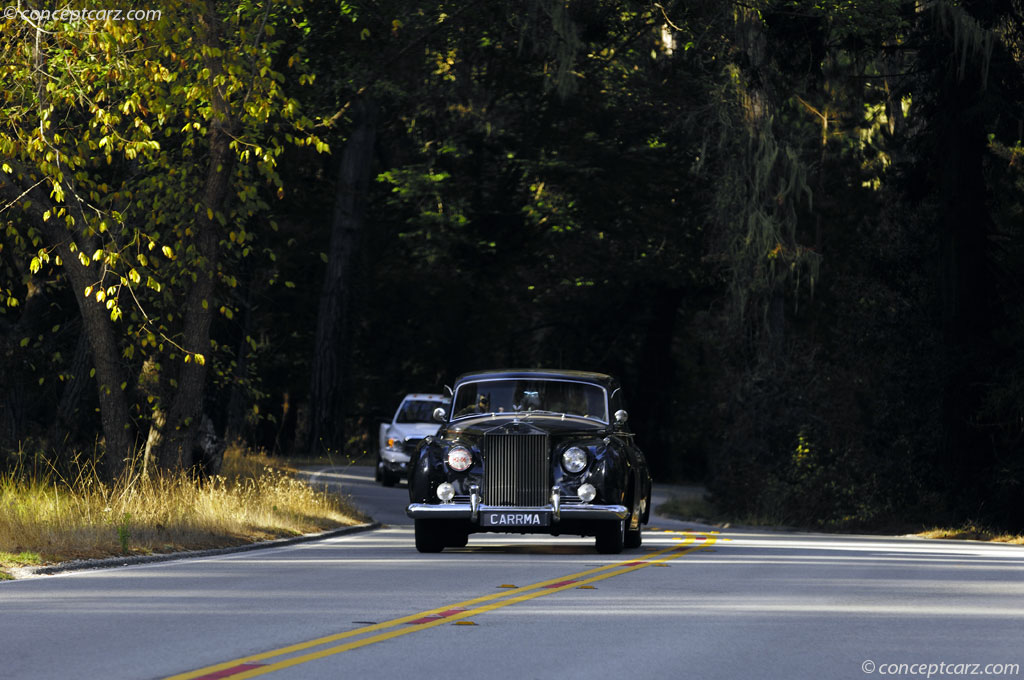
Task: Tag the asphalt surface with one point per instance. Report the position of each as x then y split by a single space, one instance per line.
692 602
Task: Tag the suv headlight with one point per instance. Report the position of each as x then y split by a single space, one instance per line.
574 459
396 444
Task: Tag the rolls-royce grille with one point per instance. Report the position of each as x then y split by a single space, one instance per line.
516 469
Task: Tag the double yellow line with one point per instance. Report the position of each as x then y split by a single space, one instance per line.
257 664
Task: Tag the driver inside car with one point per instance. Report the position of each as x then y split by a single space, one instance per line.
483 405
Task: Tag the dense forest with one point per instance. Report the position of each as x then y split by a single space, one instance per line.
794 229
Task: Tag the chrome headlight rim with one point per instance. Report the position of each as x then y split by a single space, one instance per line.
575 460
459 458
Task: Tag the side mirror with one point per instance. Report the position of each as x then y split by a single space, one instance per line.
621 417
440 415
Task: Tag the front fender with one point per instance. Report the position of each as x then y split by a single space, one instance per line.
609 474
426 471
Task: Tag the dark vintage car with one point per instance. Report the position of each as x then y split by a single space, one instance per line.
531 451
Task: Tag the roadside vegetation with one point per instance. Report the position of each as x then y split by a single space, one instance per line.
694 507
49 516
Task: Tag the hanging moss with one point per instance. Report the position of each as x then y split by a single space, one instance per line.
972 43
758 208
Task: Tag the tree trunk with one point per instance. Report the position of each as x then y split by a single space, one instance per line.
330 370
174 444
111 377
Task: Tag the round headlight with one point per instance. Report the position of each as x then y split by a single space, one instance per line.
574 459
445 492
586 492
459 458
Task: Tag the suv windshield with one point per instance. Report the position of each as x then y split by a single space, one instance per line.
417 411
511 395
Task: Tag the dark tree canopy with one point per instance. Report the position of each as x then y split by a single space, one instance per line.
792 228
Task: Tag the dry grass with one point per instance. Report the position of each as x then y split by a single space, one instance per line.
47 518
699 509
972 532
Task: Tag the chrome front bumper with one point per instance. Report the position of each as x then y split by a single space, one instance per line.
394 457
559 511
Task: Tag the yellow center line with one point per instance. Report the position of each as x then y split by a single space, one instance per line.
471 607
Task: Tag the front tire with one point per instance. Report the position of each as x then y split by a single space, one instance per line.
383 475
457 538
611 537
430 535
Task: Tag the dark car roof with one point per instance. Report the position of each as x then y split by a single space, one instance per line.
606 381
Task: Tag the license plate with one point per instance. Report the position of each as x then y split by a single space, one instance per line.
515 519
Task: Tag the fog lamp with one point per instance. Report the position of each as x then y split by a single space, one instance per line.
445 492
586 492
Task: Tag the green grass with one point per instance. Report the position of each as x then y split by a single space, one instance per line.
46 517
22 559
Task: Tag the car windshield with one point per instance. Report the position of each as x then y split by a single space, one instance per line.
511 395
417 411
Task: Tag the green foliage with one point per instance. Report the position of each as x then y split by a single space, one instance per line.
111 140
792 227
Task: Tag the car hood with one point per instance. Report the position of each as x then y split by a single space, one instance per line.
553 425
412 430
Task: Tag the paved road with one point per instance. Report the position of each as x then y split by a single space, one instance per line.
689 603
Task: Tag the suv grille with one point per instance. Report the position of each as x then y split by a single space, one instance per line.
516 469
